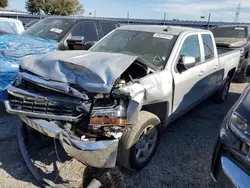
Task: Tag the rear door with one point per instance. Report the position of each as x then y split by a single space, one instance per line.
211 63
189 83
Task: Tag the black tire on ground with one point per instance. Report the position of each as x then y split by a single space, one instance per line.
241 77
137 136
22 136
222 93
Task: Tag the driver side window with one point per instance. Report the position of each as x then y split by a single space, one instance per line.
87 30
191 47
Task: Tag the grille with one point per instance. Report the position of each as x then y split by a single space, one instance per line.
42 107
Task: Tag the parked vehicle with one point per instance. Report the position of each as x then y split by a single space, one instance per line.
32 22
110 103
235 36
231 157
10 25
70 33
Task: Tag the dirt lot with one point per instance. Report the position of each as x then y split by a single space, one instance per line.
182 160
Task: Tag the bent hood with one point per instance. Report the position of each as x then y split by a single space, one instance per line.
93 71
230 42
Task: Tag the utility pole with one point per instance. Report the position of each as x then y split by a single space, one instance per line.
16 15
94 13
128 17
237 13
208 21
164 18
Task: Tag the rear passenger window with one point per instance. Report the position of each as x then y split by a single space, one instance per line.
208 46
107 27
191 47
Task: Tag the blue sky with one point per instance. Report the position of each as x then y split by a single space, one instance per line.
222 10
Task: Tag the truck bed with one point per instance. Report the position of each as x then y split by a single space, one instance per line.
223 51
228 57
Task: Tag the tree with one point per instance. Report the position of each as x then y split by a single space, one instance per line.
55 7
3 3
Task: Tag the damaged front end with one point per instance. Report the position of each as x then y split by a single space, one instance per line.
88 124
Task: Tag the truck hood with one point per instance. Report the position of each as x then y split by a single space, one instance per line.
230 42
93 71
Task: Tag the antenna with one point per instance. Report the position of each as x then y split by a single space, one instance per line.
237 13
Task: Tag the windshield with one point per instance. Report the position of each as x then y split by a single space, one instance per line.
229 32
32 22
152 47
50 28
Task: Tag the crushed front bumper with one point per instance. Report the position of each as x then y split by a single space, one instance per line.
99 154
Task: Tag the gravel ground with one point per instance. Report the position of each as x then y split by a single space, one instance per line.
182 160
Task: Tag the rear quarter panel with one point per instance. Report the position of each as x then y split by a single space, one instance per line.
228 61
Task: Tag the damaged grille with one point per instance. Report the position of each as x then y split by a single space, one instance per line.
44 107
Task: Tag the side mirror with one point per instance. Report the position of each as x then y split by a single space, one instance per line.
76 42
188 62
88 45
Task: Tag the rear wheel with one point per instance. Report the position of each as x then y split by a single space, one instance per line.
242 75
139 142
222 93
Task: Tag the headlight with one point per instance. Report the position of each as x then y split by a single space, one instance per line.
106 121
108 115
242 50
239 125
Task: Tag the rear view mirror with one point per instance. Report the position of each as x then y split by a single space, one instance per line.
76 42
188 62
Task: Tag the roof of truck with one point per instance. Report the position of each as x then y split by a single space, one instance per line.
173 30
80 18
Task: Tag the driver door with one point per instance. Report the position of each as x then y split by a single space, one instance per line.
189 83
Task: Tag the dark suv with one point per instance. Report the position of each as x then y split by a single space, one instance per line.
231 157
71 32
235 36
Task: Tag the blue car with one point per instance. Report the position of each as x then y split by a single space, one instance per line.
12 49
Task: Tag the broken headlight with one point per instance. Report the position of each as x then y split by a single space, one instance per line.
239 126
113 115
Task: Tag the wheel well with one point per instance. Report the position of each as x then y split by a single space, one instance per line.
231 73
246 55
159 109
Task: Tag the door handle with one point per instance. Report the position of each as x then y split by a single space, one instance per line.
201 73
216 67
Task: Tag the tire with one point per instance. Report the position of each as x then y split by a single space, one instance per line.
222 93
241 76
143 136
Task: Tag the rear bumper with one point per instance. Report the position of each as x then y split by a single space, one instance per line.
99 154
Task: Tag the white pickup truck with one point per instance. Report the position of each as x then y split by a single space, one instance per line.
109 104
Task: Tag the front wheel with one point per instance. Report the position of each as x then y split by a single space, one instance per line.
139 142
222 93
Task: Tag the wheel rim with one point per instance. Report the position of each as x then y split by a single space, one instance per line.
146 143
225 91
